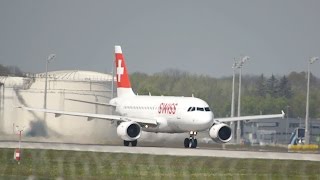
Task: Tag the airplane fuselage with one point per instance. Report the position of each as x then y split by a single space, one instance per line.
173 114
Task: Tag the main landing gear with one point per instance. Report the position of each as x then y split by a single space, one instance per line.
133 143
191 142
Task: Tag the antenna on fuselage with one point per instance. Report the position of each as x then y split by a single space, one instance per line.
149 93
192 95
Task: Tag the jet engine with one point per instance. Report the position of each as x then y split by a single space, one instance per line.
129 131
220 133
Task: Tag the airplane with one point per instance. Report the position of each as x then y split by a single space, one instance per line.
158 114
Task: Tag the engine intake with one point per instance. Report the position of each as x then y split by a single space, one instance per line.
220 133
129 130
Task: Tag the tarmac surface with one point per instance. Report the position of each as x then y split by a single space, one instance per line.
163 151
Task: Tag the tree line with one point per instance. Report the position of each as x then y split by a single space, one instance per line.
10 71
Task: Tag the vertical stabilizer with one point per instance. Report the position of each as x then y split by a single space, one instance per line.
123 81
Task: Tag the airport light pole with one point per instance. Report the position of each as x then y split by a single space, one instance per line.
307 134
234 66
1 100
1 84
287 122
232 96
240 64
50 58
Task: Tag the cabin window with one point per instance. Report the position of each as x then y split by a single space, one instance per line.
207 109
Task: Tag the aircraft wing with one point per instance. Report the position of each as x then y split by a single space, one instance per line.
91 102
255 117
92 116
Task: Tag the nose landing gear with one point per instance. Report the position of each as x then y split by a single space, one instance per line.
127 143
191 142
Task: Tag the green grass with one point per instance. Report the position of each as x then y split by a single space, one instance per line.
50 164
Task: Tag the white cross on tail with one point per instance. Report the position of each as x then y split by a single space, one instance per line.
120 70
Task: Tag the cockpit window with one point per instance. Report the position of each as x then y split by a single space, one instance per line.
200 109
191 109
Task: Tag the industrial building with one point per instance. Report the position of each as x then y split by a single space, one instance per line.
277 131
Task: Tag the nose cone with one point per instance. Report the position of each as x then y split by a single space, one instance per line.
205 120
208 118
196 121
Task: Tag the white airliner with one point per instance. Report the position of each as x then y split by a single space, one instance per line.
163 114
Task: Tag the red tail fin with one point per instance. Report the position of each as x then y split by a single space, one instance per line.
121 69
123 82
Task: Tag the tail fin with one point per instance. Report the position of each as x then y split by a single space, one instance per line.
123 81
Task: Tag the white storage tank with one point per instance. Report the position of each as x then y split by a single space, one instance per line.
62 85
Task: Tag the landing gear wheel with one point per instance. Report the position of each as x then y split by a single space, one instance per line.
191 142
126 143
186 142
134 143
194 143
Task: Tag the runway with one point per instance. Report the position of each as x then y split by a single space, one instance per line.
164 151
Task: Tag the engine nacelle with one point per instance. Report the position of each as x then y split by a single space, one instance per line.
129 130
220 133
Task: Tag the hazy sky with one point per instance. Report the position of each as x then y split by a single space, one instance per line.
196 36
